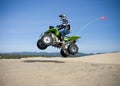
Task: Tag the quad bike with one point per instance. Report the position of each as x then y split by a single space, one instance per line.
52 37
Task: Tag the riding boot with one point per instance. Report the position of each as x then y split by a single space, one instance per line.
61 37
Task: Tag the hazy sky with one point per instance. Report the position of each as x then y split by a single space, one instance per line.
22 22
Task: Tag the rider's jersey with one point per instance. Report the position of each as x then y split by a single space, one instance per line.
65 24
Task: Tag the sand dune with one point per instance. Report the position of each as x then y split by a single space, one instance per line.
96 70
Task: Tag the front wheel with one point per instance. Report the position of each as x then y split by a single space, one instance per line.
40 45
47 40
73 49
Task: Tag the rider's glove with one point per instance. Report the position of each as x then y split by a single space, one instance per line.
58 26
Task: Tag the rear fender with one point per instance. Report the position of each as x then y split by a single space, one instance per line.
71 38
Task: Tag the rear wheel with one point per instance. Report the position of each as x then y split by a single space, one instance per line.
47 40
73 49
64 52
40 45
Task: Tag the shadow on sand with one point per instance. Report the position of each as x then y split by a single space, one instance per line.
54 61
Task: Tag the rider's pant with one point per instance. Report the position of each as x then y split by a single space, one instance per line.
64 32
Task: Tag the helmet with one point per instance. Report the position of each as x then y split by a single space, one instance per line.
62 16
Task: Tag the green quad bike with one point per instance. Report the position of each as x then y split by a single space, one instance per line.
52 37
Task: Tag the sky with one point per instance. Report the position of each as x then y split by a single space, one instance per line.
23 21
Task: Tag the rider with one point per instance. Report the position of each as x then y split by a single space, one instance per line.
65 26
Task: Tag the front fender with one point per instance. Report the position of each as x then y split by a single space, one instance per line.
54 31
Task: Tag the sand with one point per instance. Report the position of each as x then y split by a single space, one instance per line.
95 70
